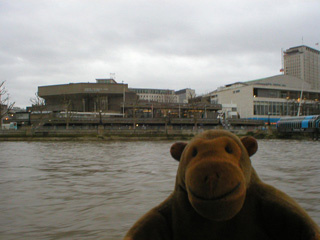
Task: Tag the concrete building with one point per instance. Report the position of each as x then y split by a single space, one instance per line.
105 95
156 95
185 94
164 95
304 63
112 105
271 97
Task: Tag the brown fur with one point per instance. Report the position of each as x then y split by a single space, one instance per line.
219 196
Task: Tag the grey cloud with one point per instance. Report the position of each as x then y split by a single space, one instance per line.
163 44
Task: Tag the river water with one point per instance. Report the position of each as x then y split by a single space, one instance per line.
97 190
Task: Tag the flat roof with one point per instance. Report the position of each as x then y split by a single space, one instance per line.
82 88
302 46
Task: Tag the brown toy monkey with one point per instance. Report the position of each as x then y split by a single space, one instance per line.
219 196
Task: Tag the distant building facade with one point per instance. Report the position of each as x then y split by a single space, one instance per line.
155 95
273 97
105 95
304 63
185 94
115 106
164 95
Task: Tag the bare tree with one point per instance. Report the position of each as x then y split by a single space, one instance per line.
68 108
135 104
168 99
5 104
38 101
194 102
39 105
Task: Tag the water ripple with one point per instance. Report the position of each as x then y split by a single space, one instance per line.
78 190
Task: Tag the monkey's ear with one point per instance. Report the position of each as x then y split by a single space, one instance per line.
251 144
177 149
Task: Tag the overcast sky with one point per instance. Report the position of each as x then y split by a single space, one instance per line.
167 44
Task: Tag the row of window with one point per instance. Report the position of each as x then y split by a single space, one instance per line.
284 108
271 93
153 91
159 98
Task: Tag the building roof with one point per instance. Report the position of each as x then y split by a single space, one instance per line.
295 49
106 80
278 81
185 90
285 81
82 88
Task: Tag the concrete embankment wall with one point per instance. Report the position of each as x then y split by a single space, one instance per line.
29 133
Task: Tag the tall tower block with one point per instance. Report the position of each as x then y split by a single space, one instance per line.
303 62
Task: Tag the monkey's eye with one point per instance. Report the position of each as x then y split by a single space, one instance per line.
228 149
194 152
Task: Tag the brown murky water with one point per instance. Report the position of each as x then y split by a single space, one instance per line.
97 190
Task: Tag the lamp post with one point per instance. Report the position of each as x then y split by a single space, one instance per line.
100 113
269 118
124 99
205 111
29 117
